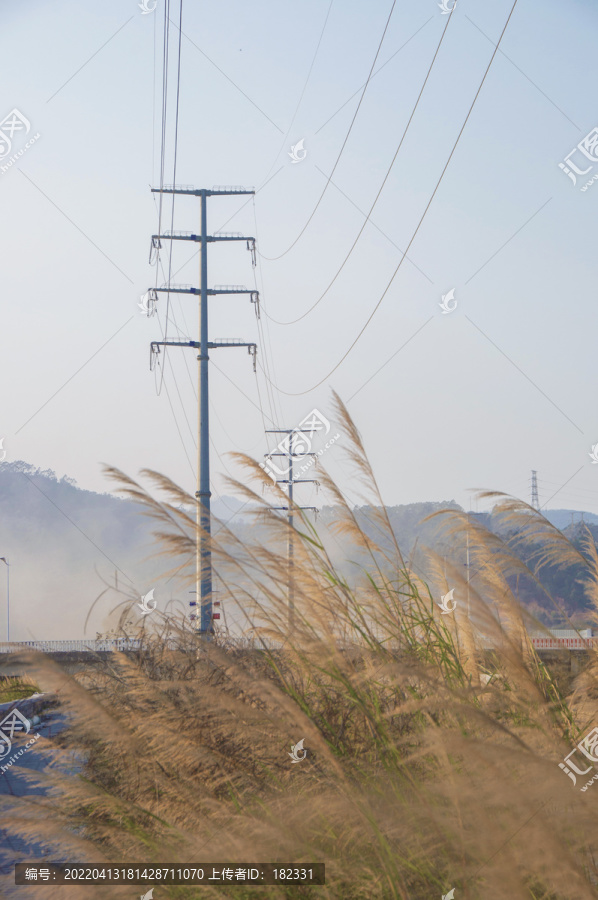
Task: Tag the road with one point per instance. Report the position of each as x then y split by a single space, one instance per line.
14 848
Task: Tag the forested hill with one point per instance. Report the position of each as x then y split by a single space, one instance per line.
66 545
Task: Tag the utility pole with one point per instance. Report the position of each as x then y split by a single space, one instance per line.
193 603
290 480
203 561
535 499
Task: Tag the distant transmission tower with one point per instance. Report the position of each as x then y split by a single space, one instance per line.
535 499
291 445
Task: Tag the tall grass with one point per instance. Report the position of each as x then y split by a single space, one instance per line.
422 772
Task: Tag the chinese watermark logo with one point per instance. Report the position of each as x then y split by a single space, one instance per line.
14 122
588 746
445 601
445 8
593 455
297 445
447 300
296 749
147 303
14 721
15 756
145 603
146 8
13 125
587 149
296 151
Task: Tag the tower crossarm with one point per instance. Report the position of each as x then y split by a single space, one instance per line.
156 344
290 455
231 342
217 289
213 345
176 236
178 289
233 236
297 481
199 192
190 236
231 289
251 347
312 508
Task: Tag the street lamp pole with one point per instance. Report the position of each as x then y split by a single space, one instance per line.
5 561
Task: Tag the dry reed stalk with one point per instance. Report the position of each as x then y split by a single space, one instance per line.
417 778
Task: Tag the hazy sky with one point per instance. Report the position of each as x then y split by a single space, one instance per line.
476 398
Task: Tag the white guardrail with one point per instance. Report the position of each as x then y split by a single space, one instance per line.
571 643
121 644
100 646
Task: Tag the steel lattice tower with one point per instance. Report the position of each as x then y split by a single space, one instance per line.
535 499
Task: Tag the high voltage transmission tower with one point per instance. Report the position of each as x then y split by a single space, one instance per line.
293 437
203 559
535 498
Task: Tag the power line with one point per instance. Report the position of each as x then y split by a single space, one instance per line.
165 45
174 162
182 404
177 426
261 405
175 154
273 258
162 369
259 408
265 337
214 412
438 183
154 103
288 131
163 127
180 331
163 330
581 493
384 64
381 188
